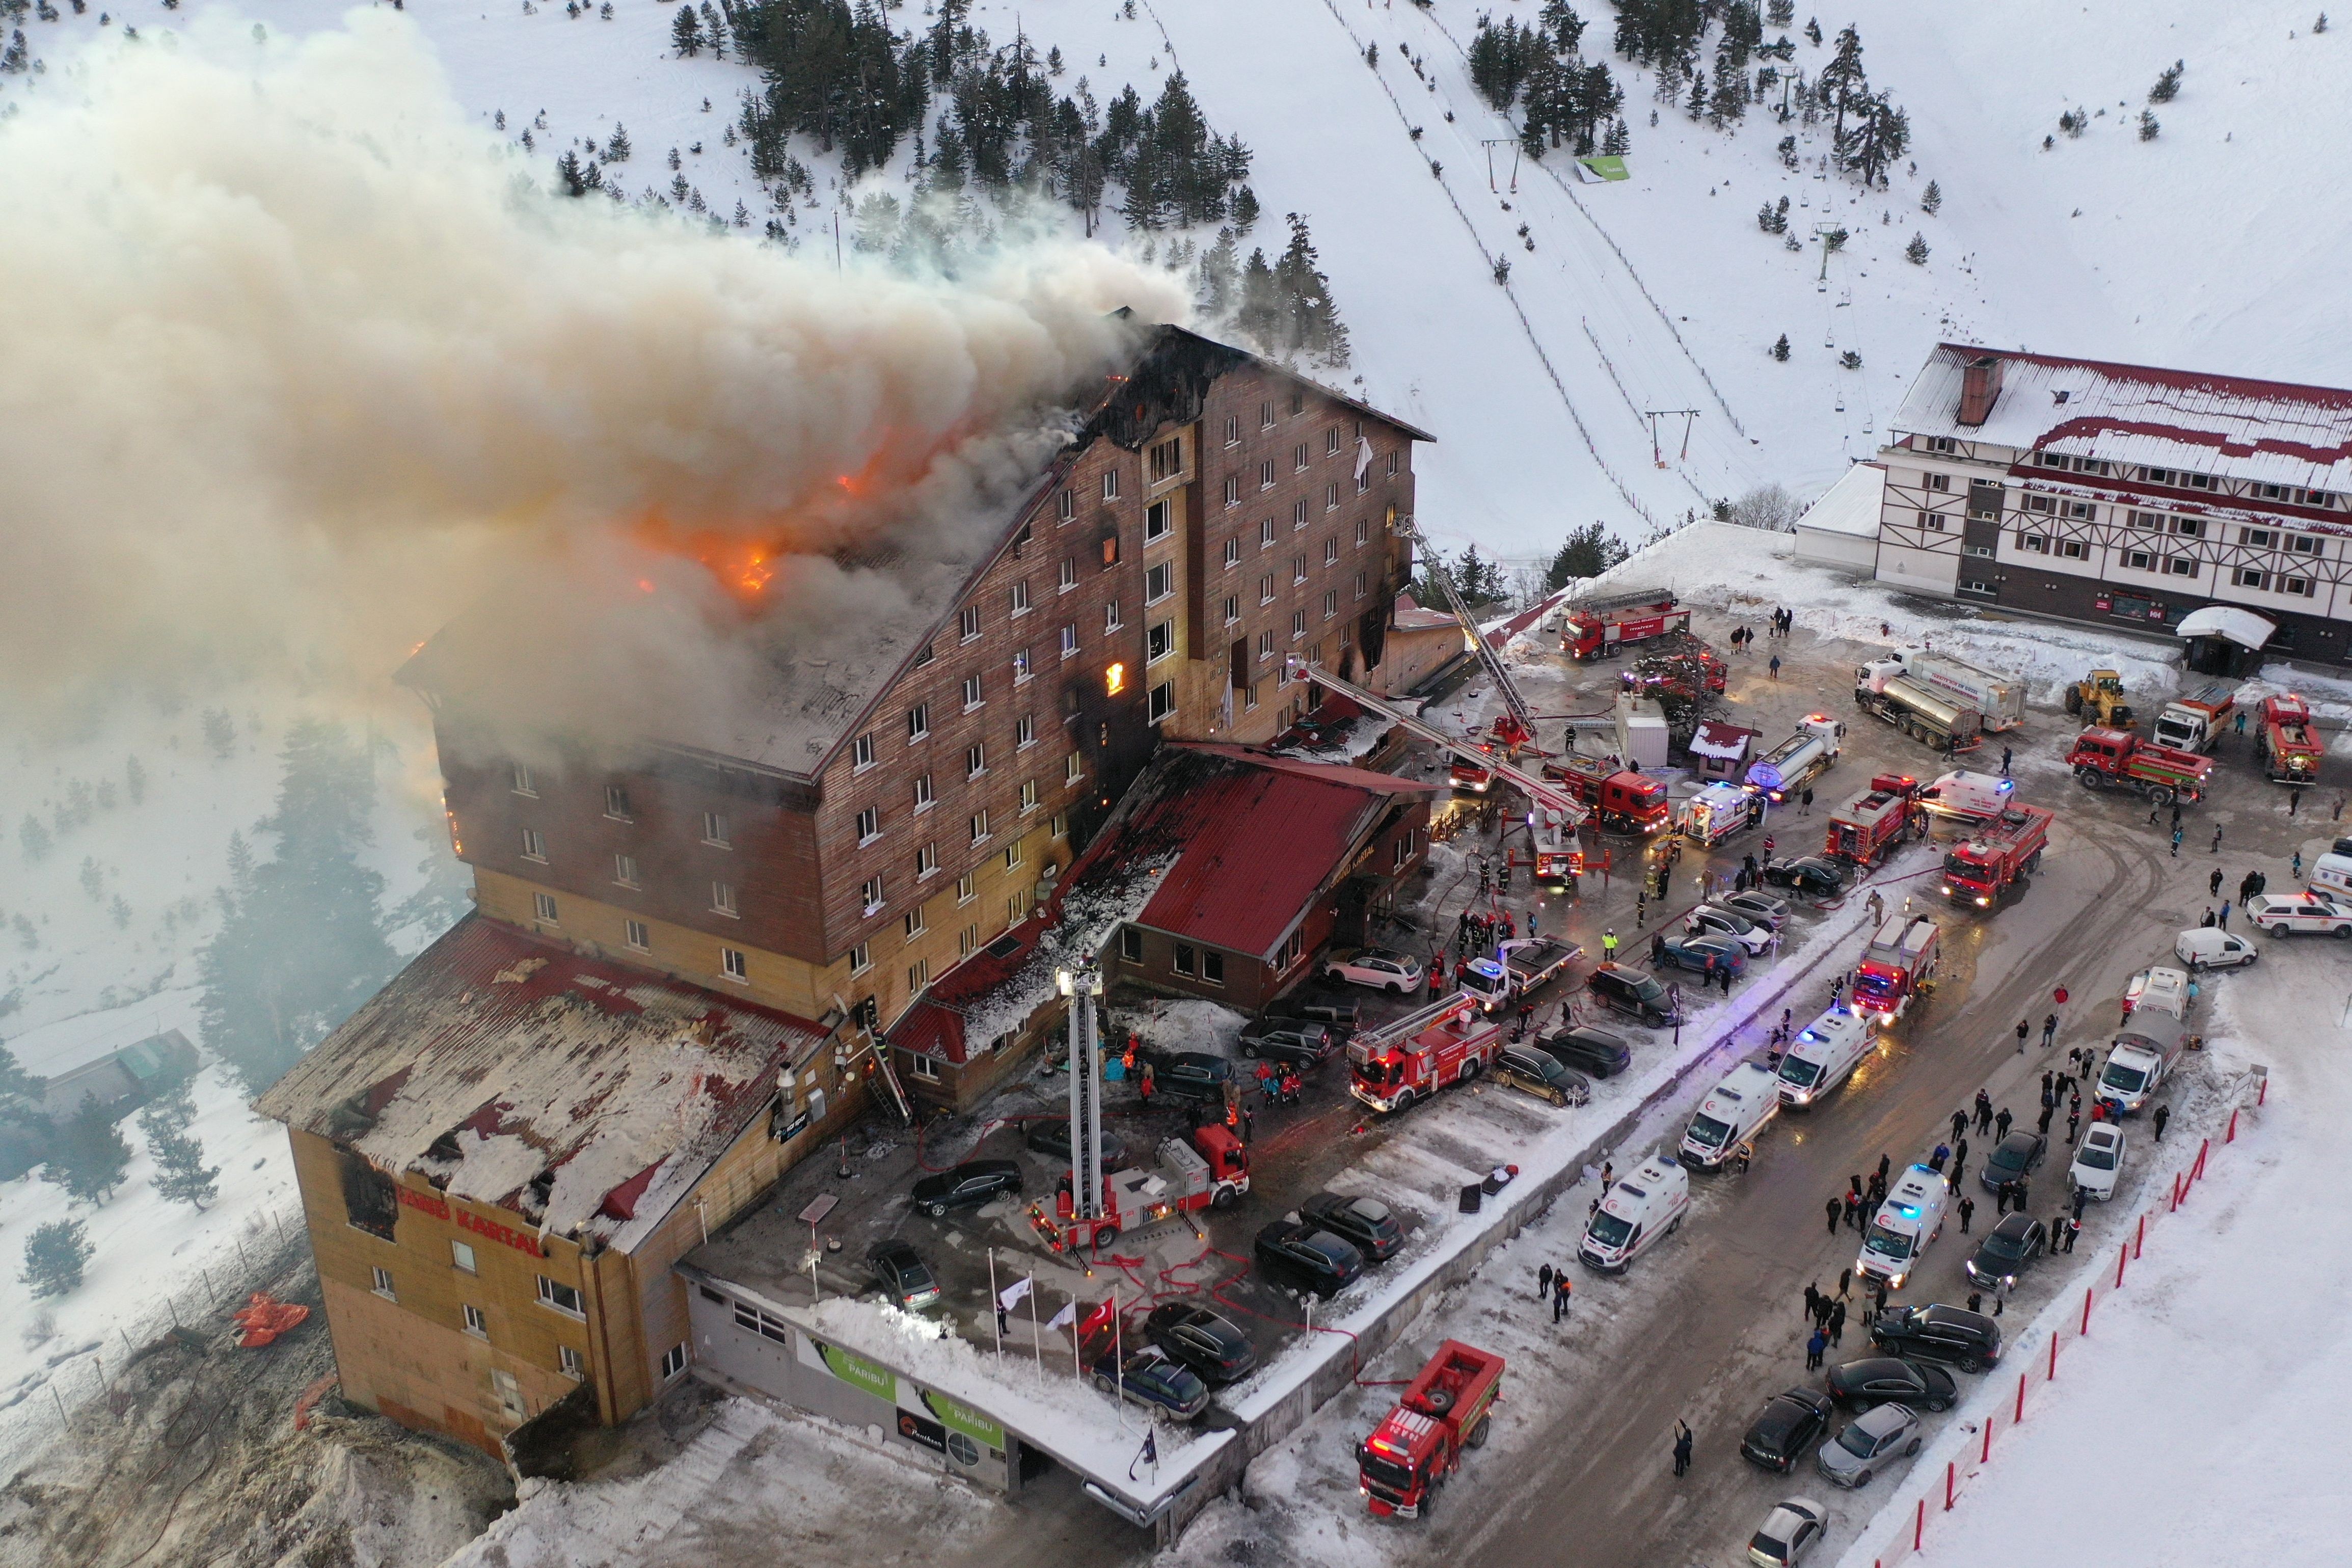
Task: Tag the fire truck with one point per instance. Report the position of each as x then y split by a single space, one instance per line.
1419 1444
2120 758
2287 748
1601 628
1899 964
1625 802
1513 731
1789 767
1210 1171
1980 867
1412 1059
1866 829
1554 812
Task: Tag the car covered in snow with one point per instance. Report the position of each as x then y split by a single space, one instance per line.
2210 947
2099 1162
1397 973
1150 1376
1714 920
2299 914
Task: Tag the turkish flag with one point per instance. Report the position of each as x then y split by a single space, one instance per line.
1096 1320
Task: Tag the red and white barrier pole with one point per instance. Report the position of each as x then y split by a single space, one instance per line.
2086 1311
2263 1089
2054 1360
1919 1529
2175 1194
2123 1255
2140 1235
1951 1481
2020 1382
1986 1459
2231 1135
2204 1147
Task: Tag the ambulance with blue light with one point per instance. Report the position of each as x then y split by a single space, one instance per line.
1906 1226
1825 1055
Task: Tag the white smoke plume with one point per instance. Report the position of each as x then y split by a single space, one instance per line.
297 364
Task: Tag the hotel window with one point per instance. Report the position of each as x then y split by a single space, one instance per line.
2305 544
574 1366
1021 598
927 861
722 899
967 940
2037 543
1250 699
1298 404
1167 459
918 722
1159 641
522 784
1265 589
1330 497
1021 666
1013 856
714 830
2188 527
1233 552
1332 442
1265 534
1069 575
1265 644
2248 577
861 959
861 752
1331 550
2080 511
733 964
1159 582
2182 565
1025 731
1058 825
2046 504
2139 560
1330 603
1074 767
1130 944
625 870
967 623
1361 589
1111 621
616 802
1265 475
1065 505
534 845
1930 522
980 833
1110 485
1942 444
1233 489
1390 465
1298 568
384 1284
638 935
1070 641
1364 481
1029 795
1298 624
542 906
1298 459
1184 960
924 1067
869 894
1155 522
1363 531
971 697
1297 514
918 974
912 922
2073 549
965 892
1936 481
924 799
1233 608
1233 429
975 759
561 1296
2260 538
2299 586
477 1323
869 825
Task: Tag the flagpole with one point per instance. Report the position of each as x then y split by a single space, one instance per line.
1078 1366
1036 1336
995 1305
1117 1360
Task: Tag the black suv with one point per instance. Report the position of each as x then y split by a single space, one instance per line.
1051 1135
969 1186
1307 1255
1189 1075
1343 1016
1292 1040
2013 1160
1203 1340
1588 1049
1366 1224
1969 1340
1640 996
1787 1429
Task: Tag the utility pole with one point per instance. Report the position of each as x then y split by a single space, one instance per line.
1653 414
1822 231
1490 143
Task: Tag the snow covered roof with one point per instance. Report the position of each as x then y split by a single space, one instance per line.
581 1094
2275 432
1412 616
1851 505
2243 627
1725 742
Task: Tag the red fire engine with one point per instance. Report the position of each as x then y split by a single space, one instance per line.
1996 856
1419 1444
1866 828
1899 964
1625 802
1422 1053
1599 628
2287 748
1212 1171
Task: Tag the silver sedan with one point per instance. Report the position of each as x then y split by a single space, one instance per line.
1871 1441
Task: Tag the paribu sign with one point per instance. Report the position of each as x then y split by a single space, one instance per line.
872 1377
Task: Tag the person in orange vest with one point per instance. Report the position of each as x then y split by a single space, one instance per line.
1127 1057
1144 1090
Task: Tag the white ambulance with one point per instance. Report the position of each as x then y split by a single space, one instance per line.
1641 1208
1906 1226
1824 1054
1734 1112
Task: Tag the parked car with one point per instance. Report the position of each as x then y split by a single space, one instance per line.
1714 920
2098 1161
1969 1340
1051 1135
2297 914
1395 973
1707 954
1340 1015
2008 1249
1890 1380
1788 1533
1151 1377
2013 1160
1590 1050
903 1276
1790 1424
1536 1072
1871 1441
1203 1340
2210 947
1758 906
1189 1075
1368 1224
1641 997
967 1185
1308 1255
1807 874
1292 1040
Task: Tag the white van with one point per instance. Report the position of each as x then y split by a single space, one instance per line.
1906 1224
2331 873
2158 989
1823 1054
1733 1111
1969 797
1639 1209
2143 1054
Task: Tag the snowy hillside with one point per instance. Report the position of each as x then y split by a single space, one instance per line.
2199 247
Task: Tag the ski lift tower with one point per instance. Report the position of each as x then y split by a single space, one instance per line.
1084 987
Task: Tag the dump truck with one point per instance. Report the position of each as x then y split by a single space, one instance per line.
1211 1171
2120 758
2287 746
1980 868
2100 694
1519 967
1601 628
1419 1444
1898 965
1943 720
1866 828
1788 768
1425 1051
2194 721
1999 700
1622 800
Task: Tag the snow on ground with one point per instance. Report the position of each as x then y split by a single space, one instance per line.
2198 1427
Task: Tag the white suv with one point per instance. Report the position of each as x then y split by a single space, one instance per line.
1393 972
2099 1163
2280 913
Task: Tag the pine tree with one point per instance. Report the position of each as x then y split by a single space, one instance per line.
1587 551
90 1156
617 148
2147 125
567 171
20 1091
35 838
1312 318
55 1255
1931 199
181 1175
1780 349
686 32
2168 86
1260 317
1916 250
1813 31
